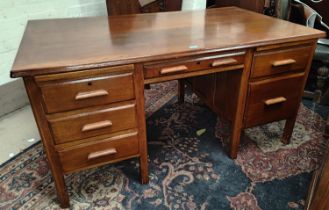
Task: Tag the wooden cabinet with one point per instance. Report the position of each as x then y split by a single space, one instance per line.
173 5
122 7
254 5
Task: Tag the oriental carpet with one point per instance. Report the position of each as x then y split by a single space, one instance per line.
188 164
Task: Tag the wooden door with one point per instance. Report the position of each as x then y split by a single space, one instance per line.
173 5
123 7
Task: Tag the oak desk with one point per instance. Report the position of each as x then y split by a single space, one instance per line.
85 78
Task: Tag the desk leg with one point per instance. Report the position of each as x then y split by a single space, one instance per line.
141 121
237 122
54 163
290 122
288 129
181 90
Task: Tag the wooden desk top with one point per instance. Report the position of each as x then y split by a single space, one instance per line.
60 45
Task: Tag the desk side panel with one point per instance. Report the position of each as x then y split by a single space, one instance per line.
54 163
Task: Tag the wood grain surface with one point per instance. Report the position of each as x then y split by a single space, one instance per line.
60 45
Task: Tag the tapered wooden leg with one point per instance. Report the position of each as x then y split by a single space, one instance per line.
235 142
237 122
58 177
141 122
288 129
181 90
63 196
144 169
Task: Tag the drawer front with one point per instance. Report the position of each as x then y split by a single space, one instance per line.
273 99
84 124
181 66
90 155
280 61
75 94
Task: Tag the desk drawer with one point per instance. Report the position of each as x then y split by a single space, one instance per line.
64 95
181 66
82 124
279 61
273 99
94 154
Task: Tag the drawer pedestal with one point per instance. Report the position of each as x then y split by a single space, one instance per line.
89 118
275 87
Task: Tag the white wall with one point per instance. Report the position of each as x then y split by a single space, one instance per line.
15 13
194 4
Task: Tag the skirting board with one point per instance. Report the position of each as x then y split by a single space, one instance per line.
12 96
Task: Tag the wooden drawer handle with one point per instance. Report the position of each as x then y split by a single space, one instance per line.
91 94
283 62
97 125
103 153
173 69
273 101
222 62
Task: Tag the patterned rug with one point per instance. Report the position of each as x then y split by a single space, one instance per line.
189 168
